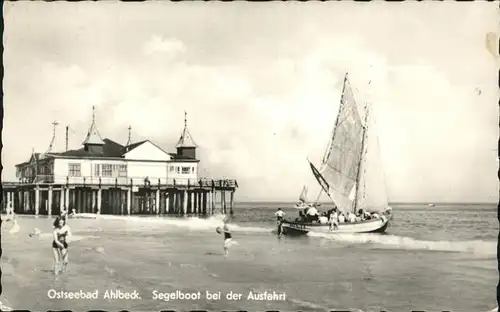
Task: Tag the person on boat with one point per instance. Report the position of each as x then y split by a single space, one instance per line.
312 214
341 218
375 215
351 217
323 219
60 245
279 215
302 217
364 215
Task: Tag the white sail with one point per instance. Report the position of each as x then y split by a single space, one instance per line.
342 161
372 193
303 195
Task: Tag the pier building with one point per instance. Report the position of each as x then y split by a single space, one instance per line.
105 177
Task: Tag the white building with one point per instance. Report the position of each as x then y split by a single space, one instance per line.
106 162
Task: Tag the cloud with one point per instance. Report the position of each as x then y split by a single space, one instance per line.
158 44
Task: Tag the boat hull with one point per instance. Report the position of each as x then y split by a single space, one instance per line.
368 226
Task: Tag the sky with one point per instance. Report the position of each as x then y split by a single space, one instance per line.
261 84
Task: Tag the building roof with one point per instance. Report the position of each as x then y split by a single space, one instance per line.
130 147
186 140
110 149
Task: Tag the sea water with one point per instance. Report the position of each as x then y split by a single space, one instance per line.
432 258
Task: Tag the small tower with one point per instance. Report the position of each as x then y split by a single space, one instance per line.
93 142
186 148
129 141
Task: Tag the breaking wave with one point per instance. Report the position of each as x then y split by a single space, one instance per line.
192 223
400 242
72 238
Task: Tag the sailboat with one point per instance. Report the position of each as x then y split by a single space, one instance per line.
302 204
303 201
350 173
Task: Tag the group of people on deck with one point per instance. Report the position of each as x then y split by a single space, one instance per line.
334 216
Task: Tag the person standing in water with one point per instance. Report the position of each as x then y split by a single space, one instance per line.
279 214
60 244
227 237
279 219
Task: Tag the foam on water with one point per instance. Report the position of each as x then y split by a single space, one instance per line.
401 242
192 223
72 238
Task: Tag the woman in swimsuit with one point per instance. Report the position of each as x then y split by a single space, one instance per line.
59 244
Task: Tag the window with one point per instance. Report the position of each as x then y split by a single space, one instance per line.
192 169
186 170
178 169
97 171
107 170
172 168
122 170
74 170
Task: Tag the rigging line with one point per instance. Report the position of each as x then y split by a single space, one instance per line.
319 195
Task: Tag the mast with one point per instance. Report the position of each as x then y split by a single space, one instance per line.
67 130
51 145
129 141
363 151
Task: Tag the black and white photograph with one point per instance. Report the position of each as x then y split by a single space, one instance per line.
250 156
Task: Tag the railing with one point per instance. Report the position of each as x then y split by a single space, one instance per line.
218 183
135 181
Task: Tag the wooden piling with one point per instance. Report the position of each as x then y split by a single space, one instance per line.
37 200
66 198
20 204
231 203
214 200
224 201
192 199
99 200
49 210
204 203
27 201
175 202
129 200
185 202
167 202
157 201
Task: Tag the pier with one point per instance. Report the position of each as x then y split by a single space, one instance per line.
205 197
105 177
